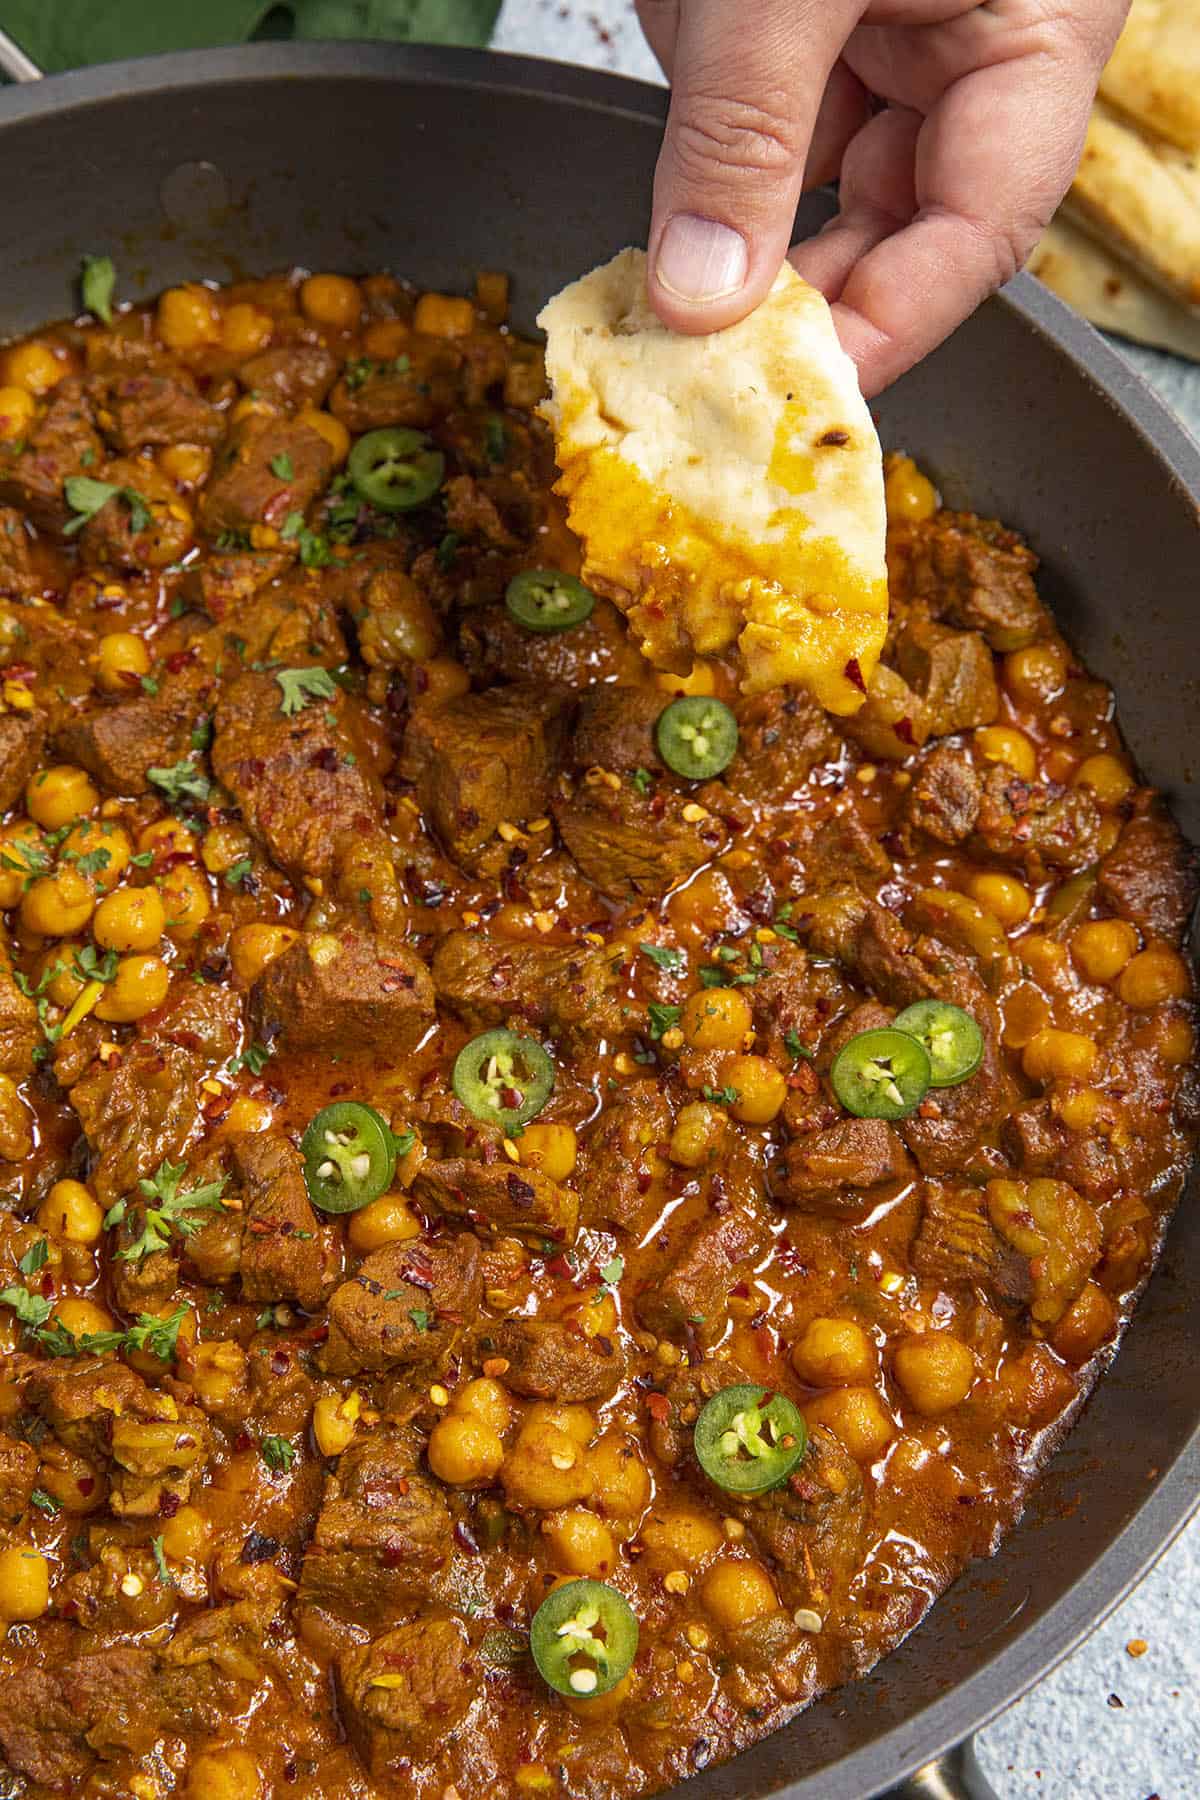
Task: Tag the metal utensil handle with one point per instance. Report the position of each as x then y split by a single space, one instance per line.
954 1776
13 60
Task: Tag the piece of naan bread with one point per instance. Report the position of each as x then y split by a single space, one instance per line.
726 489
1111 293
1142 196
1154 74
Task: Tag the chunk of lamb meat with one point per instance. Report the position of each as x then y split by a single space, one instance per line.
834 1171
19 1028
794 999
64 442
18 577
693 1290
482 761
22 740
782 737
627 843
1149 875
973 572
518 1203
495 646
614 1175
840 849
958 1246
223 583
614 729
294 375
136 1114
812 1527
301 782
952 671
549 1361
411 390
121 741
403 1696
18 1473
142 526
382 1536
1036 824
328 990
944 799
286 1254
140 408
497 510
404 1305
55 1722
568 991
266 469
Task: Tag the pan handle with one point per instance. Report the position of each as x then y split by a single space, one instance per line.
954 1776
14 62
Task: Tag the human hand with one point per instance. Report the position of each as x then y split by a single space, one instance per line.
944 191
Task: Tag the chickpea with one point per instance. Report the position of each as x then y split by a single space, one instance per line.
761 1088
331 300
246 329
1152 977
621 1477
679 1537
188 318
1004 744
1107 777
335 1421
1080 1109
122 660
438 679
833 1353
550 1148
24 1583
701 679
82 1317
737 1592
1044 957
138 987
22 852
385 339
253 406
574 1419
16 1123
17 408
246 1114
1054 1055
485 1399
69 1211
252 947
34 367
959 920
218 1373
698 1135
130 919
715 1019
935 1371
910 495
92 836
580 1543
856 1416
185 464
223 846
186 900
545 1470
1087 1322
168 837
1035 674
58 796
388 1220
229 1774
331 429
1008 899
79 1486
1102 947
444 316
1176 1042
57 905
185 1536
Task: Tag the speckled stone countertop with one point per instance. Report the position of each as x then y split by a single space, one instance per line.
1106 1724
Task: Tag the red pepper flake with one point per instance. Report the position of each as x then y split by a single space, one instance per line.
854 674
659 1407
465 1540
168 1506
903 729
87 1485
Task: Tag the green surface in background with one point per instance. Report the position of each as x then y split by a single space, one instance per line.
64 34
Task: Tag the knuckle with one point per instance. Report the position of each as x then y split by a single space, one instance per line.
736 136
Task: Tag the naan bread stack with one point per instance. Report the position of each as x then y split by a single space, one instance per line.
727 490
1125 249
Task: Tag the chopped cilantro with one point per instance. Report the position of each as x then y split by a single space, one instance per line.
495 439
254 1057
794 1047
612 1271
447 550
181 781
160 1562
282 466
237 871
278 1453
85 496
725 1096
300 686
670 961
421 1319
662 1018
166 1208
642 780
45 1502
34 1258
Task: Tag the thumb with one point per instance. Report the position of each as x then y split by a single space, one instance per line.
748 82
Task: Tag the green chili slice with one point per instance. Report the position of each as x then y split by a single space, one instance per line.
952 1039
696 736
503 1078
881 1074
749 1439
584 1637
349 1156
548 600
396 469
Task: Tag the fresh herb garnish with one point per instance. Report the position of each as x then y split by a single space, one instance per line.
160 1562
725 1096
97 282
281 466
300 686
45 1502
183 780
254 1057
662 1018
34 1258
421 1319
279 1453
793 1045
85 496
670 961
166 1209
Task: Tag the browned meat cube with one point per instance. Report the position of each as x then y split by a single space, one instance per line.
795 997
54 1722
522 1202
833 1171
221 584
294 375
1149 876
614 1172
782 737
614 729
627 843
405 1304
327 991
549 1361
64 442
286 1253
945 795
18 576
814 1522
567 991
143 526
694 1289
482 761
493 645
18 1473
958 1245
973 572
403 1694
22 739
136 1114
136 408
382 1535
266 469
301 782
121 741
497 510
411 390
1037 824
842 849
952 671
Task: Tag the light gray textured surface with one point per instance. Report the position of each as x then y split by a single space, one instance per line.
1104 1725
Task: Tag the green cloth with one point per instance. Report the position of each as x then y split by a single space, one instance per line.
65 34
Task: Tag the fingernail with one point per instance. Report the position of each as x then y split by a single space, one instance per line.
699 259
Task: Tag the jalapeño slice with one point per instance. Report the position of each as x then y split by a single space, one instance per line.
881 1074
396 469
953 1041
503 1078
584 1636
548 600
349 1156
749 1439
696 736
